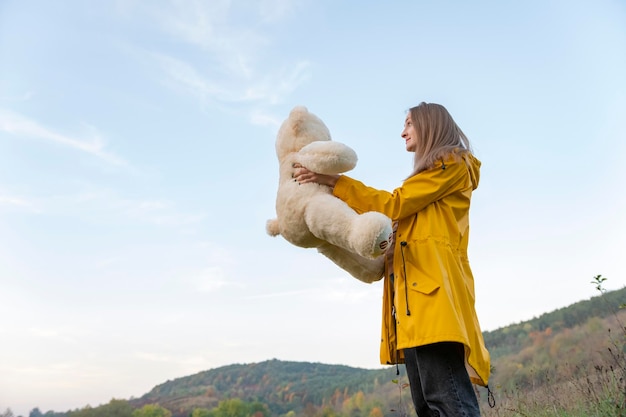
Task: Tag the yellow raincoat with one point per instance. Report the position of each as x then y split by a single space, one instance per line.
429 295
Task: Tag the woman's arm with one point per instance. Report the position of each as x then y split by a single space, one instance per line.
303 176
413 196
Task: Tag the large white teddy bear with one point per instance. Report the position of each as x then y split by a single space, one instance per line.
309 216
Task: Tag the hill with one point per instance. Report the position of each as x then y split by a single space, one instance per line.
565 345
512 338
573 338
282 386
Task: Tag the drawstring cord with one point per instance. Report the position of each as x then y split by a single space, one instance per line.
491 400
393 314
406 288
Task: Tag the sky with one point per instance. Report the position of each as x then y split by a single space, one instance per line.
137 172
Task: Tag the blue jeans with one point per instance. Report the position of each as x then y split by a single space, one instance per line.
440 385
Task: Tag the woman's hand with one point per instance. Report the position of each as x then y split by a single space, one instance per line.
303 176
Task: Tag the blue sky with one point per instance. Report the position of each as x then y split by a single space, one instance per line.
137 171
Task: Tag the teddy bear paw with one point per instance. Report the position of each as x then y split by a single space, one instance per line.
371 234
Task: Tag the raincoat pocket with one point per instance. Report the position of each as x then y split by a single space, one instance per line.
425 265
424 285
417 264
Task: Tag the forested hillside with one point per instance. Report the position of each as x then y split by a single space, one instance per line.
572 348
513 338
282 386
563 345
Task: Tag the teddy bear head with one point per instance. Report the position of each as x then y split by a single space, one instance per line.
298 130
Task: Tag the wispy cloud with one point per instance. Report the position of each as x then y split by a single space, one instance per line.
210 279
18 202
159 212
269 89
275 10
63 335
340 290
26 96
216 275
211 26
273 87
194 361
262 118
105 202
281 294
236 63
16 124
183 76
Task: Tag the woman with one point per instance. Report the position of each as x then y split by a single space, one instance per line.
429 319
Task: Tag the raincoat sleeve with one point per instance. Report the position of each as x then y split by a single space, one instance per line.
415 194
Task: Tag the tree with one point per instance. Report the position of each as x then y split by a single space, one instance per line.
376 412
258 409
231 408
7 413
116 408
35 412
201 412
152 410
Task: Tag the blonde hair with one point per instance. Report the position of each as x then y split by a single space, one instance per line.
438 136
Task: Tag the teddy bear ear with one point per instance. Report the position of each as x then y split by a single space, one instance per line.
298 110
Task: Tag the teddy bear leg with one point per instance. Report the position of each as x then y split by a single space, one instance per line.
363 269
332 220
370 234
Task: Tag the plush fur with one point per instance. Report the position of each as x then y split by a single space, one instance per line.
309 216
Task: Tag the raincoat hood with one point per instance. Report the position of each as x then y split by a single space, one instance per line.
473 168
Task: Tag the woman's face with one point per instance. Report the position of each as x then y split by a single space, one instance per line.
409 134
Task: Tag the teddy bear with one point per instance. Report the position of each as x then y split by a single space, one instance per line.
309 216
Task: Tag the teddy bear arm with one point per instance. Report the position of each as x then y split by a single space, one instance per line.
327 157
